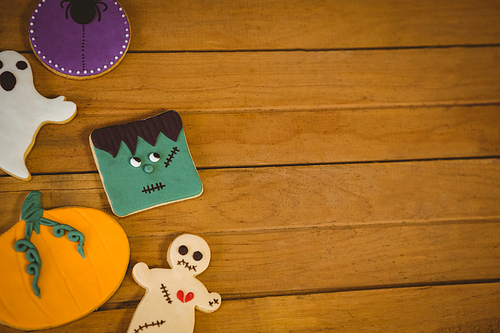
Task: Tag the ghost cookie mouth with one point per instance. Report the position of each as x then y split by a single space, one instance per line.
7 81
153 187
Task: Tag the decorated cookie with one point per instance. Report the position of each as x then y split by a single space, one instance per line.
145 163
22 112
79 39
173 294
59 265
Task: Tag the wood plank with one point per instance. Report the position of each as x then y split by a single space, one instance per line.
456 308
291 197
270 25
285 80
254 81
307 260
287 138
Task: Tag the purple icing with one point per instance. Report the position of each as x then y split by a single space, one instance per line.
80 50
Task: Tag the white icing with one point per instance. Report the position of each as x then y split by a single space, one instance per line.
173 294
23 111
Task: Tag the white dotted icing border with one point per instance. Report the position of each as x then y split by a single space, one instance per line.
71 71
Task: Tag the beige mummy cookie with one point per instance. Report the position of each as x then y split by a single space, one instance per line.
23 111
173 294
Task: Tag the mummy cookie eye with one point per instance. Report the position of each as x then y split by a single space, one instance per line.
197 256
22 65
154 157
135 162
183 250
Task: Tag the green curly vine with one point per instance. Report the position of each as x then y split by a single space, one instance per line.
31 213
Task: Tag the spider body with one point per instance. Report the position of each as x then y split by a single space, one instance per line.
83 11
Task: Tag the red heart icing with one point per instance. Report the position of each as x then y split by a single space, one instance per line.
180 296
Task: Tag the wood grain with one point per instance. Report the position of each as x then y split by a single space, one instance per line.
349 153
288 138
195 25
290 197
251 264
455 308
284 80
334 83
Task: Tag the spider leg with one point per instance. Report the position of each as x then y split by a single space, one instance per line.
97 9
102 3
67 9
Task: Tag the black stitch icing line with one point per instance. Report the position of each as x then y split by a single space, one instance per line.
186 264
83 46
153 187
170 157
216 301
152 324
165 293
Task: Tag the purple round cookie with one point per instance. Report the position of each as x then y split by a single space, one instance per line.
79 39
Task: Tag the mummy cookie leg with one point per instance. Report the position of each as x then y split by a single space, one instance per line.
22 112
173 294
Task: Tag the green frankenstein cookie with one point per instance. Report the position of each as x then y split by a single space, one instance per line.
145 163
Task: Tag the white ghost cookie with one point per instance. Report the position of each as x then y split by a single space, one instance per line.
172 295
22 112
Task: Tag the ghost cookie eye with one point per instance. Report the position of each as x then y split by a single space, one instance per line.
1 65
22 65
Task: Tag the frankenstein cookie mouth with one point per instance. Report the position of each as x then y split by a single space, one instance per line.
153 187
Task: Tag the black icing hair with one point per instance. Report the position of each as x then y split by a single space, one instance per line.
109 138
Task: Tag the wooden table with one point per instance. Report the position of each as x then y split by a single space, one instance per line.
349 152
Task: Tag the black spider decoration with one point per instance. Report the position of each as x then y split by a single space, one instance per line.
83 11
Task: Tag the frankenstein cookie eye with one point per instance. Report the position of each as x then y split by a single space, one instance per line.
183 250
135 162
22 65
154 157
197 256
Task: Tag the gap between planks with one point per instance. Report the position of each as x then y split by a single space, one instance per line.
110 305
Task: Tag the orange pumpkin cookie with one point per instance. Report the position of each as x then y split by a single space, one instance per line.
59 265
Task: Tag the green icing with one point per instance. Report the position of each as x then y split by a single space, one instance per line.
31 213
73 235
130 189
32 255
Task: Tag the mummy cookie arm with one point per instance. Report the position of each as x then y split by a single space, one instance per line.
142 274
208 302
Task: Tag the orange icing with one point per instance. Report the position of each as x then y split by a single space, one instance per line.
71 286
